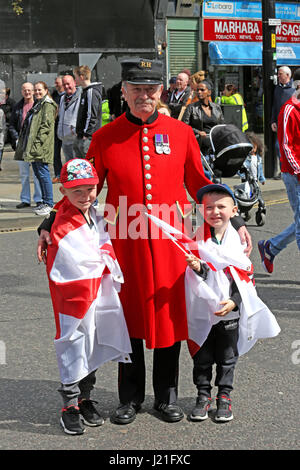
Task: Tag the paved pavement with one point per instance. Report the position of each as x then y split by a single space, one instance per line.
266 395
266 389
10 188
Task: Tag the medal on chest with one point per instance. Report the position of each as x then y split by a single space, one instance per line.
162 144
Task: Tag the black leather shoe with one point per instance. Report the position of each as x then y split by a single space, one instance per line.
125 414
22 205
169 412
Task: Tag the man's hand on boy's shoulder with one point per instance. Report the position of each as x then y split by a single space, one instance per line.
43 242
239 224
245 238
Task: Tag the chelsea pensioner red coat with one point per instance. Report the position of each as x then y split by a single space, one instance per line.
126 154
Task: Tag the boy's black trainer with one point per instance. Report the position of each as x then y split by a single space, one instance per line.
71 420
203 406
224 412
89 414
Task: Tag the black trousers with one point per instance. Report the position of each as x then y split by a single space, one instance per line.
132 376
220 348
57 164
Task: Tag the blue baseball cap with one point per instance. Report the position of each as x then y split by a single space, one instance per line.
220 187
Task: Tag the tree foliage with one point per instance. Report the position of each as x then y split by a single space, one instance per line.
17 7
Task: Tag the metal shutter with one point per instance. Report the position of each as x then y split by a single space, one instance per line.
182 51
182 47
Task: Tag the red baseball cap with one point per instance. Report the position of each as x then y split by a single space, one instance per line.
76 172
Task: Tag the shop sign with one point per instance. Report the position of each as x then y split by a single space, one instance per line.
239 30
223 29
245 9
288 32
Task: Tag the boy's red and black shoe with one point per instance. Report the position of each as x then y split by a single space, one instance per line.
71 420
223 412
203 406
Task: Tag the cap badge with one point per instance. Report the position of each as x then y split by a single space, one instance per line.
145 64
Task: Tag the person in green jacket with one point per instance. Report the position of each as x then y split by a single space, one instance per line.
105 113
231 96
36 143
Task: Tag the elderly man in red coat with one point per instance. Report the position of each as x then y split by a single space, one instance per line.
148 159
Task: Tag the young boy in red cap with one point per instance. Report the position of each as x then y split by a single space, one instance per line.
84 278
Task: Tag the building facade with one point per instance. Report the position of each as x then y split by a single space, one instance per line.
223 37
51 37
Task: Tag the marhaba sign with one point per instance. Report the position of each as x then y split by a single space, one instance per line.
229 29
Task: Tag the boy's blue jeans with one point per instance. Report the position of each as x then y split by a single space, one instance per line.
292 232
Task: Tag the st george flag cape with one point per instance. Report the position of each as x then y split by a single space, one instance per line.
84 280
203 296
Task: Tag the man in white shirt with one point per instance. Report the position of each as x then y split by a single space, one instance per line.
180 95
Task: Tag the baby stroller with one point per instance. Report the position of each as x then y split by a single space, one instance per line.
229 150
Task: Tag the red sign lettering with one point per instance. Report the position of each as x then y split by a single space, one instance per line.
227 29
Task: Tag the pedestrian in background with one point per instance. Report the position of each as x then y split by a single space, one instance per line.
283 91
232 97
178 98
2 134
7 105
195 80
166 94
67 116
56 96
117 104
89 117
254 161
289 144
17 119
202 116
106 116
36 143
163 108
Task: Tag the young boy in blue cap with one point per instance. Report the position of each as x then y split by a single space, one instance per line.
225 316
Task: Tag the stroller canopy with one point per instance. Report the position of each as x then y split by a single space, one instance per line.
230 147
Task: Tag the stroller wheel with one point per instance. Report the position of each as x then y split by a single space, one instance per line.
246 216
260 218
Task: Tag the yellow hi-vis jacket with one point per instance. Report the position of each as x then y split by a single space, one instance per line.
237 99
